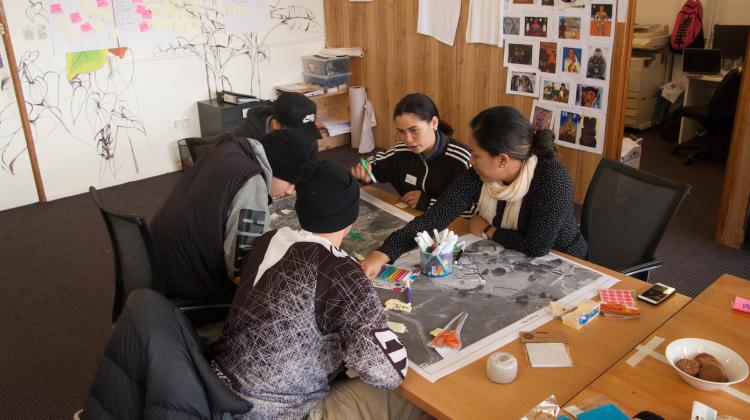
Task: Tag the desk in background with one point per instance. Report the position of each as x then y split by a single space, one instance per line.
699 89
468 393
655 386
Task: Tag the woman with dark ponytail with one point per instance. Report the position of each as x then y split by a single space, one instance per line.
425 161
523 193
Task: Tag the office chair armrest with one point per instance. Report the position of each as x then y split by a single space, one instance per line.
642 268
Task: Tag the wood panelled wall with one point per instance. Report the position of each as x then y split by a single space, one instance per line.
462 80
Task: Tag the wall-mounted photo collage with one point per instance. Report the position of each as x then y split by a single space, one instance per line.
560 52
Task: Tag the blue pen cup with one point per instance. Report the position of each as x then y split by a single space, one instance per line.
436 265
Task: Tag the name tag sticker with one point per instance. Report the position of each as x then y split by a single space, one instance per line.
411 179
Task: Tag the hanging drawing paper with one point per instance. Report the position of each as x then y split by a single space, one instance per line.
439 19
484 22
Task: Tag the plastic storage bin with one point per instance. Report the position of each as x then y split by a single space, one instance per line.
328 81
325 66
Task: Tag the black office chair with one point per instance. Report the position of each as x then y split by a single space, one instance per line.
154 367
625 214
137 267
717 119
193 148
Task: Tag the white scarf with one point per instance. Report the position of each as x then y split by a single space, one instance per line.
512 194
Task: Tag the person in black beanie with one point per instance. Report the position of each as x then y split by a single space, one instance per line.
303 307
218 209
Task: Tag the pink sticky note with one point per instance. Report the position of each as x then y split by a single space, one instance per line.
140 9
55 8
741 304
86 27
144 27
75 17
137 1
102 3
146 14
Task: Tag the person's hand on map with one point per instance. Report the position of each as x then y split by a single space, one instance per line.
371 265
412 198
477 226
360 173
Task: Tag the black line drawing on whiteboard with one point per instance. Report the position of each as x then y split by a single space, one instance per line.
216 49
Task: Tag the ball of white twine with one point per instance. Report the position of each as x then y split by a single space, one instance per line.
502 367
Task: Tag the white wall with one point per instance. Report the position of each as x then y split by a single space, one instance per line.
156 89
730 12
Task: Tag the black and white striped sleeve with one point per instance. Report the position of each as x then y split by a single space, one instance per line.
381 164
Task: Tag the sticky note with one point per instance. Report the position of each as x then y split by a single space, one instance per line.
741 304
137 1
55 8
144 26
140 9
147 14
86 27
75 17
102 3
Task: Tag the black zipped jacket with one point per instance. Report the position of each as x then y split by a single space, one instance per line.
408 171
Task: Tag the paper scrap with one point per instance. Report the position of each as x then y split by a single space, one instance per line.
397 327
286 211
360 257
397 305
55 8
548 355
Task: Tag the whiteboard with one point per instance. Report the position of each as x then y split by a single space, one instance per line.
118 117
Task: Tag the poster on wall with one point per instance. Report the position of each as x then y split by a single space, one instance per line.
547 57
597 62
542 117
601 19
556 91
520 52
77 25
522 82
591 136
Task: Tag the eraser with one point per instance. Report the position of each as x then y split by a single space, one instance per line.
741 304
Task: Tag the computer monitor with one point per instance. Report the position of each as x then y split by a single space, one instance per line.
731 40
702 61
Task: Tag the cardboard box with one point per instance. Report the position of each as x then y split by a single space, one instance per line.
631 152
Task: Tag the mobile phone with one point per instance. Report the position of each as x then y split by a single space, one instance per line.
656 294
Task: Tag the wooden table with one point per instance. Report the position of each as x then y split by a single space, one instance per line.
468 393
655 386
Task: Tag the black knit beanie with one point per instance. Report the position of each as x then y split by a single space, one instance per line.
286 151
327 197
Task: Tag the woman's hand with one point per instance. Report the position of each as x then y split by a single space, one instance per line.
371 265
412 198
477 225
360 173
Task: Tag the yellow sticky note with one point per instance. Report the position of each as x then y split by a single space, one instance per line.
241 10
114 33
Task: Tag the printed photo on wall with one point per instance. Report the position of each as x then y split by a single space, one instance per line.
519 53
561 4
523 2
535 26
524 83
542 117
601 19
590 96
558 91
570 123
571 60
569 27
548 3
511 25
592 132
597 63
548 57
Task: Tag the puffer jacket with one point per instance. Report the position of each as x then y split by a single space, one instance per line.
153 368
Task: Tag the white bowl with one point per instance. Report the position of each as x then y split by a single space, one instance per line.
687 348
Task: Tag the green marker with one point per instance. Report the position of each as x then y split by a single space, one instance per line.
356 236
367 169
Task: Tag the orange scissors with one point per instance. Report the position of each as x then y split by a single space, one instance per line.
451 334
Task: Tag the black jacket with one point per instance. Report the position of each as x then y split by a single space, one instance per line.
254 124
153 368
546 220
189 230
408 171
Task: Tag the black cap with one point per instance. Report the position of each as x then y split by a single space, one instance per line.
286 151
296 111
327 197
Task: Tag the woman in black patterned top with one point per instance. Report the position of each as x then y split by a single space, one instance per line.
523 194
